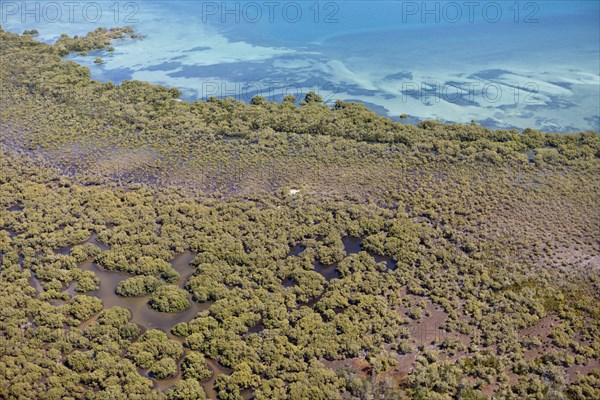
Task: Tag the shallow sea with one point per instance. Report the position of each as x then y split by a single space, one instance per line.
503 63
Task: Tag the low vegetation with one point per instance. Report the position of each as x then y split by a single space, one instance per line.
339 254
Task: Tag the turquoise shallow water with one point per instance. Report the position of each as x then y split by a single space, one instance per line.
504 63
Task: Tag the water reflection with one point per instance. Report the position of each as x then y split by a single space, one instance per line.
141 312
208 384
16 207
353 245
329 272
93 240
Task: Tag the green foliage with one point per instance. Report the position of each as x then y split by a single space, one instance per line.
188 389
163 368
485 236
83 307
86 281
138 286
96 40
194 367
258 101
169 298
312 97
156 352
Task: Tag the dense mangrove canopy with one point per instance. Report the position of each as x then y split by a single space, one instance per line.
334 253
